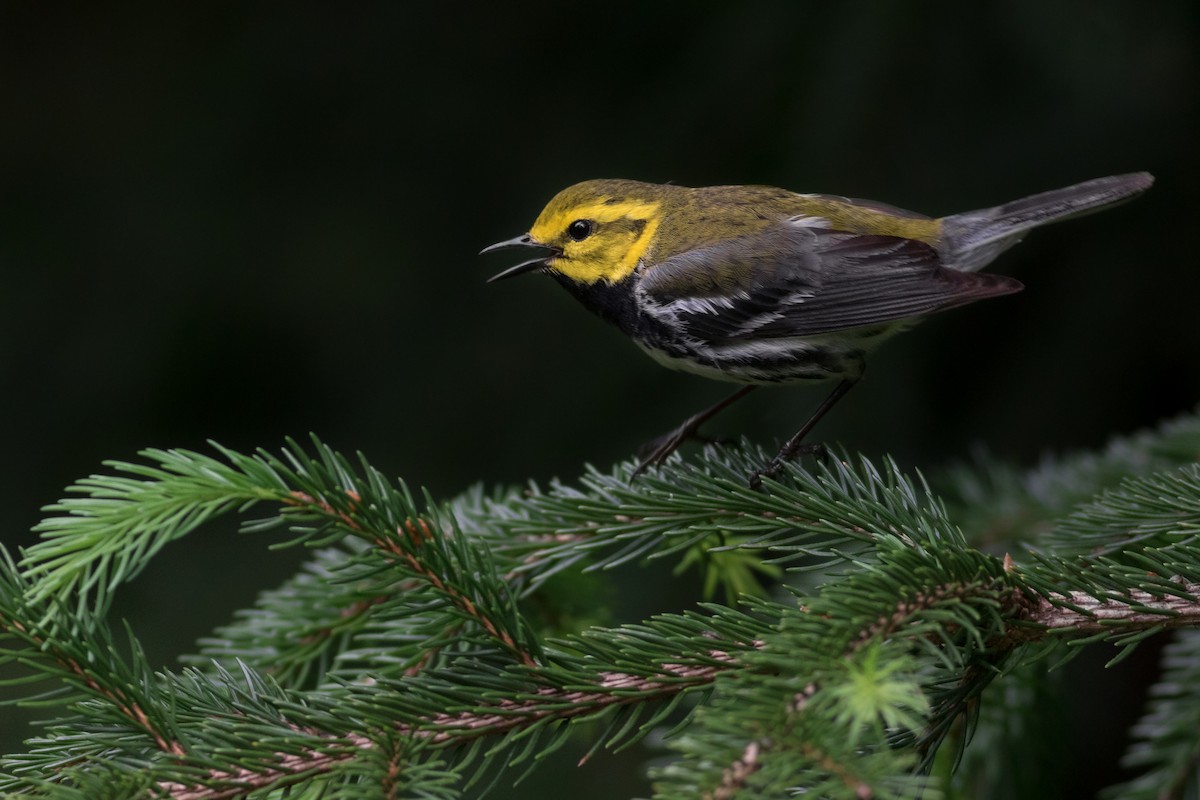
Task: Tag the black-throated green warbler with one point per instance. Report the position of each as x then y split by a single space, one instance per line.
759 285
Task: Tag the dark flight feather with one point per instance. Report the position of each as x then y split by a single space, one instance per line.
794 280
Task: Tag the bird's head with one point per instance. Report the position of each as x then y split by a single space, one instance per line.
593 231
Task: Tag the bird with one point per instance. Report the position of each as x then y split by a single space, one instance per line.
762 286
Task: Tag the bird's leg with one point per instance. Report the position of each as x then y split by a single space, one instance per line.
795 445
658 450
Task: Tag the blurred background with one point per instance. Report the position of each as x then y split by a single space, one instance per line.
248 221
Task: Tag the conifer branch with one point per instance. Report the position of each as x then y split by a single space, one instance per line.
1082 613
546 704
412 544
418 533
615 689
410 634
285 770
405 548
922 600
842 771
41 628
129 707
735 776
73 669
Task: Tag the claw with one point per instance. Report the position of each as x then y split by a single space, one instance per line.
662 447
772 467
655 452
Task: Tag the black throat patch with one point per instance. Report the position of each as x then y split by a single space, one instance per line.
613 302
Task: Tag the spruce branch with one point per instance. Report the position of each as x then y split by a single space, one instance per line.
552 697
289 768
346 612
78 653
417 533
817 518
111 533
411 653
1081 613
105 538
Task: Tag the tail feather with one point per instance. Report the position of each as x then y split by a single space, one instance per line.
972 239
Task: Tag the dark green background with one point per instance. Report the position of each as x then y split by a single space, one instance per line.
246 221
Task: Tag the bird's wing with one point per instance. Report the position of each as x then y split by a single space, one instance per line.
794 280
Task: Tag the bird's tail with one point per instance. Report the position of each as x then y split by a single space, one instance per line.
972 239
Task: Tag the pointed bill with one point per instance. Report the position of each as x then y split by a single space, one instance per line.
520 269
526 241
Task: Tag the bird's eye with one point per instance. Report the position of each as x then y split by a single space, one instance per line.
580 229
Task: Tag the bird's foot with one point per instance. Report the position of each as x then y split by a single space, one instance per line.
789 452
655 452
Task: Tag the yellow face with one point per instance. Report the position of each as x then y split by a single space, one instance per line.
599 229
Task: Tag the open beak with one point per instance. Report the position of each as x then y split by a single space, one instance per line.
525 240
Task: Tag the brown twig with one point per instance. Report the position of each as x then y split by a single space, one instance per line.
418 531
922 599
616 689
1084 613
862 791
734 777
126 705
285 769
1078 612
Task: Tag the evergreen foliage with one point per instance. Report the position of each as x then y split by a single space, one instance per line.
879 638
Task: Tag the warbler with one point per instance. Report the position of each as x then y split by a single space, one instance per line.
762 286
